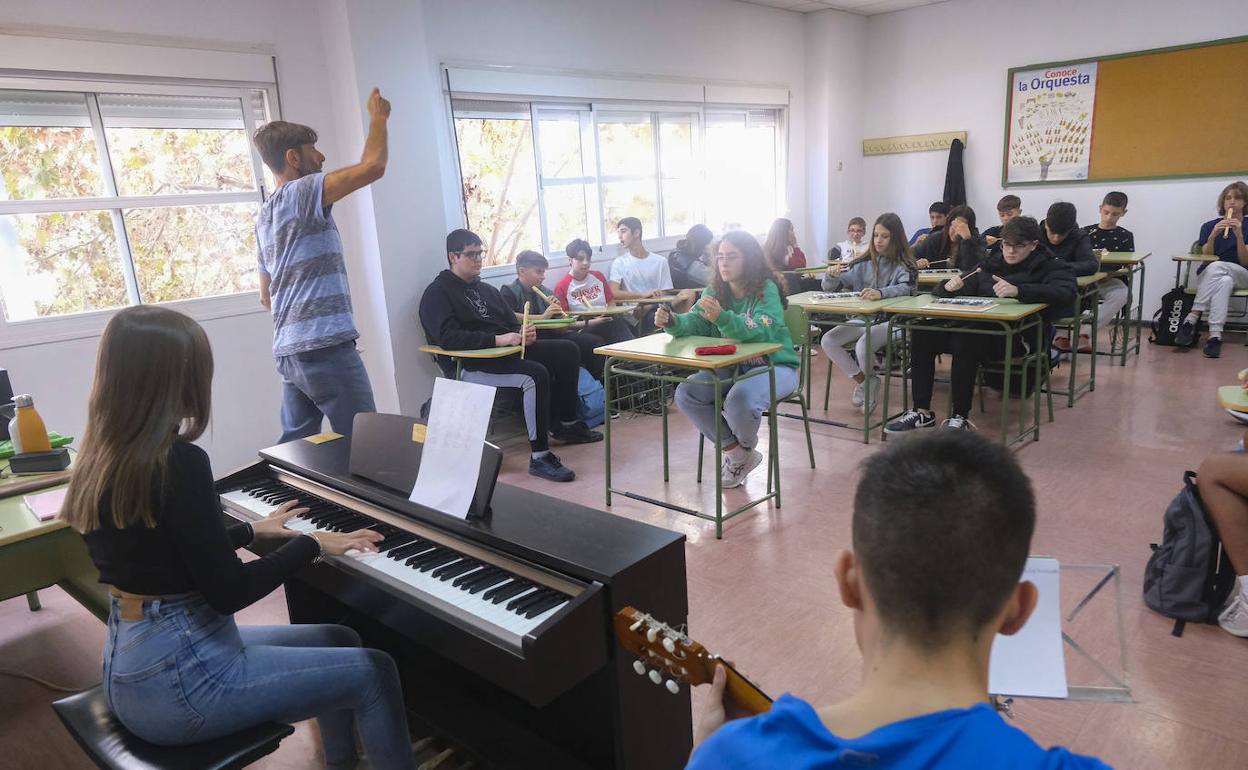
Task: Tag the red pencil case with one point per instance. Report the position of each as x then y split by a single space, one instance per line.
715 350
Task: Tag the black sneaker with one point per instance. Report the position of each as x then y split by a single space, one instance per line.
915 418
575 433
548 467
1213 347
1186 334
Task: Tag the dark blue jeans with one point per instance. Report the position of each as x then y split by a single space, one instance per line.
183 673
331 382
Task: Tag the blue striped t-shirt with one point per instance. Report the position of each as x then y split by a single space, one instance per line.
301 252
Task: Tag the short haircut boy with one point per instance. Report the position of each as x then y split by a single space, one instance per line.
574 248
1009 203
939 207
1020 230
1115 198
858 221
273 139
458 240
1061 218
531 259
632 223
941 565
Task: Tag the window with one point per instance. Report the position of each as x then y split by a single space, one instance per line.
110 198
536 176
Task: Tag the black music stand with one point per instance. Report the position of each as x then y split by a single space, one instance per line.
383 451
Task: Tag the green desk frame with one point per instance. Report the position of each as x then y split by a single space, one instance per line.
1088 295
676 353
1126 265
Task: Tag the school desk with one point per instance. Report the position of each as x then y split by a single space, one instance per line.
1183 264
1126 265
673 359
1233 397
461 355
844 312
37 554
1007 318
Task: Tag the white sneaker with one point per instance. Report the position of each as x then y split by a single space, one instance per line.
733 474
859 395
958 422
1234 617
872 391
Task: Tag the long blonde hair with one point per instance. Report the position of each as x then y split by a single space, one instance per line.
153 386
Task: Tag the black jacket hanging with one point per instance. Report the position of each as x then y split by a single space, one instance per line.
955 178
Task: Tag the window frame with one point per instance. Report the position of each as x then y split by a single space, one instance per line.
589 112
69 326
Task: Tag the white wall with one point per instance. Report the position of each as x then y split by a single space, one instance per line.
246 391
943 68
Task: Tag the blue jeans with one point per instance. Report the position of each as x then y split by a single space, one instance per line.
183 674
743 403
331 382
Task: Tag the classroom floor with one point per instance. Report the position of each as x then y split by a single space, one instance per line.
764 595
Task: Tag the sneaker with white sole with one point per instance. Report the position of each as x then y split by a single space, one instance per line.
1234 617
858 396
871 393
733 474
958 422
915 418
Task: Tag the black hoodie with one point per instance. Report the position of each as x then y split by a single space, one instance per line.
458 315
1075 249
935 245
1041 277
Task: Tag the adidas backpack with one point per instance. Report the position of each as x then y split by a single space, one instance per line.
1175 305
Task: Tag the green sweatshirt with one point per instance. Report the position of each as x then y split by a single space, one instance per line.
752 319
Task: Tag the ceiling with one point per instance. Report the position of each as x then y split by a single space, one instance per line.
860 7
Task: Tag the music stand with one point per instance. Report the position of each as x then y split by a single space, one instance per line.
383 451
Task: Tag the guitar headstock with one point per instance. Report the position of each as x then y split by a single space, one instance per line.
663 651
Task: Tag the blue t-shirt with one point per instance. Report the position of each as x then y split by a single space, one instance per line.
914 238
1224 245
301 252
792 736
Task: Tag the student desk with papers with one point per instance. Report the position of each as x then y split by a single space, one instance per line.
671 360
1005 318
1125 265
37 554
830 310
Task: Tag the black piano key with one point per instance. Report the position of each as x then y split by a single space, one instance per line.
455 570
508 591
394 541
467 581
351 524
522 603
512 580
546 603
411 549
329 517
419 560
489 584
438 561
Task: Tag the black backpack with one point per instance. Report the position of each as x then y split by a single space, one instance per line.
1175 305
1189 575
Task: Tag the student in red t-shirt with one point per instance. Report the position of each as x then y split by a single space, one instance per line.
585 289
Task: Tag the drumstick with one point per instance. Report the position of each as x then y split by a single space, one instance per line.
523 323
973 272
936 261
550 301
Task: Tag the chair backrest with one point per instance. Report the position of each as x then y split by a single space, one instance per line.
799 329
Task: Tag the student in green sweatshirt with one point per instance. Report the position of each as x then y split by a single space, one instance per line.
742 304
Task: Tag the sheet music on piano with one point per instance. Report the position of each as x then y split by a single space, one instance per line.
450 465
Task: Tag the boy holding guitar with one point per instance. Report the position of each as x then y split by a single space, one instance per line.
931 580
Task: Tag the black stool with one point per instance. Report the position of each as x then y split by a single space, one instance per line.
111 747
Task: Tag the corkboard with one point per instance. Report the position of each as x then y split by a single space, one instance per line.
1171 112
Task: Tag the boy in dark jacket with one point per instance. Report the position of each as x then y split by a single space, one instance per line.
1067 242
1023 269
530 272
460 312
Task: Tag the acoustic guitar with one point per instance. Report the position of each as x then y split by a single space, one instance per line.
670 658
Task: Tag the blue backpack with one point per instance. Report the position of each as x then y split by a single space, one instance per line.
590 406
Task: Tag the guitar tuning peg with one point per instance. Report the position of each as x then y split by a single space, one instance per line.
669 645
672 686
639 667
656 677
635 626
651 635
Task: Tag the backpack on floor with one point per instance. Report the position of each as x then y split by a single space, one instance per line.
590 404
1175 305
1189 575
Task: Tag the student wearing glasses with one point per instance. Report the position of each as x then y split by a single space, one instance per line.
459 311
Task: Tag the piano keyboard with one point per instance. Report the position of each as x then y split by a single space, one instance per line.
505 598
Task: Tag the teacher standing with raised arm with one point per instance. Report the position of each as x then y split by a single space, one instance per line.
303 278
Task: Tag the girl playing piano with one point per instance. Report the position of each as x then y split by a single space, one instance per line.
177 669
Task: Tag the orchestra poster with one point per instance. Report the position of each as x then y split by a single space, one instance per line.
1050 125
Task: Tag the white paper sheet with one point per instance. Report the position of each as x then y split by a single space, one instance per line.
450 462
1032 662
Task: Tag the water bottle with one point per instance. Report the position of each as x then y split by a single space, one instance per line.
27 429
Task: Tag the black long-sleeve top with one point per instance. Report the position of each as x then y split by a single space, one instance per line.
190 548
458 315
1075 249
970 253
